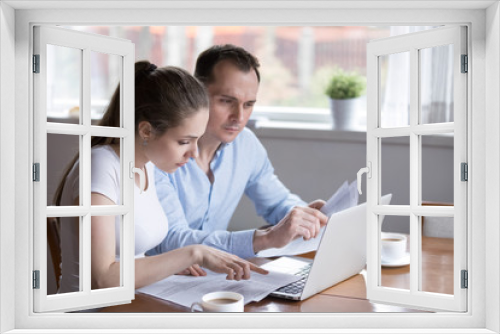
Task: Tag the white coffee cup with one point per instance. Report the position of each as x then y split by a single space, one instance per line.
221 301
393 247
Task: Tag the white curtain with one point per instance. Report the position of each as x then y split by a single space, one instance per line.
436 84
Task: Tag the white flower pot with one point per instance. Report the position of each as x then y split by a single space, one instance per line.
345 112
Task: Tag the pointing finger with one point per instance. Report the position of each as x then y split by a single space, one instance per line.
258 269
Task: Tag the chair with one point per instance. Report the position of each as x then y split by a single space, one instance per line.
438 227
54 241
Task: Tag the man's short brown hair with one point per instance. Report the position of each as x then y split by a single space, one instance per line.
207 60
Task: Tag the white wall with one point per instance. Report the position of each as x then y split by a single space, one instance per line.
313 164
492 163
7 158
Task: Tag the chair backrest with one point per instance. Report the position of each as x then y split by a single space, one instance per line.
54 241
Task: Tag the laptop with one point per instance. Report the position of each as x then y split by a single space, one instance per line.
340 255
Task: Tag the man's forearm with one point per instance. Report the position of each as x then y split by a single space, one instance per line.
260 240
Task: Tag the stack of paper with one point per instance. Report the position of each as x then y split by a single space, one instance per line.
185 290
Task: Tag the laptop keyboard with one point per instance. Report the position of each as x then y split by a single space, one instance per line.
297 287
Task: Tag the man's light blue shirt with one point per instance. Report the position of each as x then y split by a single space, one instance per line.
199 212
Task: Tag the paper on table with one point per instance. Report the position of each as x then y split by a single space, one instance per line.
185 290
345 197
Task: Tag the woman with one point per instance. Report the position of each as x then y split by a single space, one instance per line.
171 113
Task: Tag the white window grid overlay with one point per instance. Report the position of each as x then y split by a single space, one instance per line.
86 297
480 318
412 43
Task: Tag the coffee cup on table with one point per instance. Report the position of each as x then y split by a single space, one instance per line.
393 247
222 301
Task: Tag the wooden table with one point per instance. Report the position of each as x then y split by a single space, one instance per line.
347 296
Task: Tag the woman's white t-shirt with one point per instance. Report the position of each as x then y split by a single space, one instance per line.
151 224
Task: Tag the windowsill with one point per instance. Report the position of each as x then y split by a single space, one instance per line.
306 131
321 131
69 119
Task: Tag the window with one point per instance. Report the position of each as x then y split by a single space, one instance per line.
483 98
296 64
414 124
65 54
411 125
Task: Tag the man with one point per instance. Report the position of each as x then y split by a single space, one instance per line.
201 196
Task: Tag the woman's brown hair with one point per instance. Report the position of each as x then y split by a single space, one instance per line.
164 97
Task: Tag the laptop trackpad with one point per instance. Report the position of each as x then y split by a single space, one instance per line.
287 265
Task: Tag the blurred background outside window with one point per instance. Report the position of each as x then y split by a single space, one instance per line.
296 65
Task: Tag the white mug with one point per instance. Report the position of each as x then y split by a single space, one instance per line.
222 301
393 247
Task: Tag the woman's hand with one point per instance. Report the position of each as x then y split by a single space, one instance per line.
194 270
222 262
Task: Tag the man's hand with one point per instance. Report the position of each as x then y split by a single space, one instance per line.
299 222
316 204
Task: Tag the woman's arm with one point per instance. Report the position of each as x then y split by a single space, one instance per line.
150 269
105 270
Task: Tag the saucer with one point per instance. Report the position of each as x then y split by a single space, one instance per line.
404 261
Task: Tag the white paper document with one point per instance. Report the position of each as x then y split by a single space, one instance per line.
185 290
345 197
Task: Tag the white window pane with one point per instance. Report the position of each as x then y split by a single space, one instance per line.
394 89
437 152
394 252
106 167
436 84
108 252
64 77
70 236
105 74
61 152
437 254
395 169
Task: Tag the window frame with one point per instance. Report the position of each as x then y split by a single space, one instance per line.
413 44
85 43
477 317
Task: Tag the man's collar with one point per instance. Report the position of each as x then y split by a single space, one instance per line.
221 147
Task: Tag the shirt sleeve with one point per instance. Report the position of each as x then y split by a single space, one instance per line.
180 234
272 200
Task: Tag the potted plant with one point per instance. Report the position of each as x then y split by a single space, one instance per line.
346 91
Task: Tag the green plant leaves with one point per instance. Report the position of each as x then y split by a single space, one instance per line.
346 85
